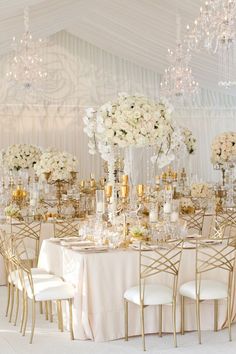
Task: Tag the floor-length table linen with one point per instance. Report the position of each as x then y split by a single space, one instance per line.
100 280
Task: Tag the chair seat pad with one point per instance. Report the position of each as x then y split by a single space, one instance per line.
154 294
51 289
209 290
16 279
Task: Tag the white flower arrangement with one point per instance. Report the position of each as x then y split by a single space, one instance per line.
58 164
20 156
138 232
189 140
223 149
200 190
133 121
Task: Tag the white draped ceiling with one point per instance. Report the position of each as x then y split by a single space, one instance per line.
122 47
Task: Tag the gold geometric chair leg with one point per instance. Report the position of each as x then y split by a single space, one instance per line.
198 320
71 319
26 315
126 313
160 320
215 315
142 325
33 321
50 311
17 306
40 307
23 312
12 301
229 317
8 297
174 322
61 316
182 315
58 315
46 310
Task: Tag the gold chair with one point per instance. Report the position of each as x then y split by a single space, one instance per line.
194 221
152 262
66 228
210 257
38 287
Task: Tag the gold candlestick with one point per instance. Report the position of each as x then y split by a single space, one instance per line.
125 180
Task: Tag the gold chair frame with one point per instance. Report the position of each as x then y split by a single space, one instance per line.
208 258
165 258
66 228
226 219
195 220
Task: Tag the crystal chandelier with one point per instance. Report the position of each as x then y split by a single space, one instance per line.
178 81
215 31
26 67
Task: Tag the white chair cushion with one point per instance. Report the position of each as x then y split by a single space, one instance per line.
154 294
209 290
14 275
51 289
17 280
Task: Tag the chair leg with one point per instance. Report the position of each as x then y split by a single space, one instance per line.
182 315
58 315
33 321
50 311
142 325
71 320
41 308
46 310
174 322
8 297
229 317
215 315
61 316
160 320
23 312
12 301
26 315
198 320
126 313
17 306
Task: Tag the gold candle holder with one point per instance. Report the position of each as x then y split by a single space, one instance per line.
82 184
124 191
108 190
92 183
125 180
140 190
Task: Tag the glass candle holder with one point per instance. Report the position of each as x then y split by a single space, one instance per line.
100 201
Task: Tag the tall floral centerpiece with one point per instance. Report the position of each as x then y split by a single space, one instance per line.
223 152
189 140
57 168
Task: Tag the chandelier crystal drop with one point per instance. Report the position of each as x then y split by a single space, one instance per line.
178 81
215 31
26 67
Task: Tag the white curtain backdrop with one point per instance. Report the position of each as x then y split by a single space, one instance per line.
86 76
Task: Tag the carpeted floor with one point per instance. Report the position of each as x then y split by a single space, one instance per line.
49 340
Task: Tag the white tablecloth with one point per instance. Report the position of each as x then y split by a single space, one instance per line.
100 280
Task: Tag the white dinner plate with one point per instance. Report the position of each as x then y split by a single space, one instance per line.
90 249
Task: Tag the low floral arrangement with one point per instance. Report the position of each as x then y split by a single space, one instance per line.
223 149
200 190
12 211
133 121
58 166
20 156
138 232
189 140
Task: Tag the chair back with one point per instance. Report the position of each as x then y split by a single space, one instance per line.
31 231
225 223
66 228
215 256
164 258
194 221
